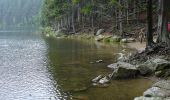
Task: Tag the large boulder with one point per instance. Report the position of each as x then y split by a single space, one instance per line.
123 70
100 31
146 68
153 65
161 64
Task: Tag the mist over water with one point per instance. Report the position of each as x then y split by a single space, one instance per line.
19 14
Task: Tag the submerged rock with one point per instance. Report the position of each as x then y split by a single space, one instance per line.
104 80
79 89
79 98
99 61
96 79
97 85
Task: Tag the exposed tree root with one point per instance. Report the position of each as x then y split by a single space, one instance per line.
159 49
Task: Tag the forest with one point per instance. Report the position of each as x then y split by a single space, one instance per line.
95 14
84 49
19 13
118 16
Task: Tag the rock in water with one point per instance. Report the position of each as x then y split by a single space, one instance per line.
95 80
99 61
123 70
100 31
104 80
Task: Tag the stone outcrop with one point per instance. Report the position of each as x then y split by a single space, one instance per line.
159 91
123 70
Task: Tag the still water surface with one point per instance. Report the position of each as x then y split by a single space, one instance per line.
33 68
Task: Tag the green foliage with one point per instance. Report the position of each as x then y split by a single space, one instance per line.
49 32
76 1
113 2
87 9
53 10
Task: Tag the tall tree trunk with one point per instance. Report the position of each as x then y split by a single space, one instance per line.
150 24
73 22
120 19
127 12
160 20
164 18
134 10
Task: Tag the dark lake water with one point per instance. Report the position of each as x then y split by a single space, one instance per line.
33 68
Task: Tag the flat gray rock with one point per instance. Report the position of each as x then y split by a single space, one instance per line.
165 84
156 92
149 98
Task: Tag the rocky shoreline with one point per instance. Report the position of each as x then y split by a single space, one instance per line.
153 67
144 63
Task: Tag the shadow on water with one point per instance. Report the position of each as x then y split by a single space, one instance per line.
69 63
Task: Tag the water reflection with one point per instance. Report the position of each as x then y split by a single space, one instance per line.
23 69
34 69
69 63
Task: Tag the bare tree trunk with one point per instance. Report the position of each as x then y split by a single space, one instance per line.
149 32
120 20
134 9
163 19
127 12
116 17
73 22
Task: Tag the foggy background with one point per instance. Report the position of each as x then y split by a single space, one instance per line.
19 13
